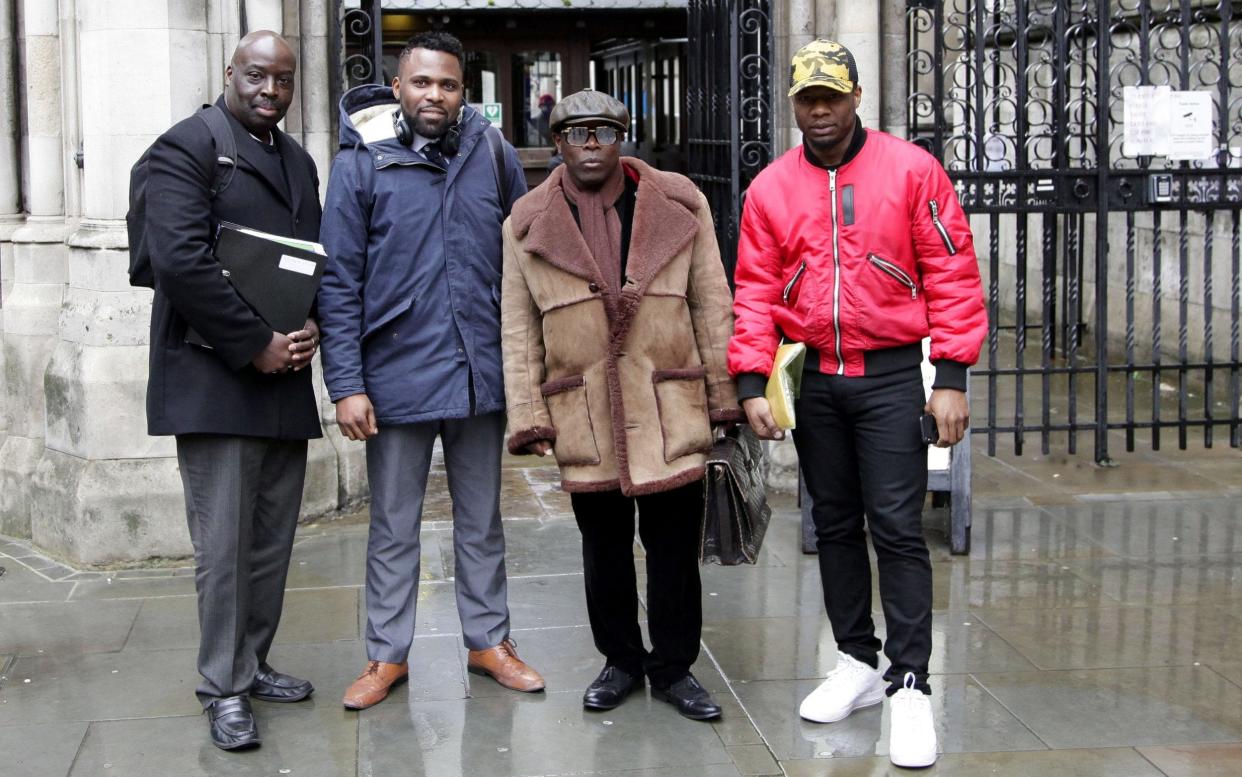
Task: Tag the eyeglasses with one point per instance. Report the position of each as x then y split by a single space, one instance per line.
577 136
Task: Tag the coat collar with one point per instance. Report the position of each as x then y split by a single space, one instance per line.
665 221
248 151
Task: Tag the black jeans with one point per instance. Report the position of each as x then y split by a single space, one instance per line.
861 454
668 524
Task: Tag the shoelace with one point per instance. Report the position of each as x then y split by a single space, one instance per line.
372 668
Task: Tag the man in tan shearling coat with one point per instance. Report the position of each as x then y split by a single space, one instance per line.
615 317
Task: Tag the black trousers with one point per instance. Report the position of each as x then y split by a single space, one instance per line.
668 524
861 454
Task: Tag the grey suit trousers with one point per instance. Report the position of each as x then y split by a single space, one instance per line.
242 497
398 459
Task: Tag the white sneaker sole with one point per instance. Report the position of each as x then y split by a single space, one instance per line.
870 700
917 762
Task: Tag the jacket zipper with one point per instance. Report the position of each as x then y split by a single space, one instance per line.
792 282
944 233
888 268
836 273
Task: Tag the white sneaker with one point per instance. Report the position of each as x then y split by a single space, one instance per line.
912 733
852 685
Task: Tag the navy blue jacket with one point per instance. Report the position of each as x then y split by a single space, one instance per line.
409 308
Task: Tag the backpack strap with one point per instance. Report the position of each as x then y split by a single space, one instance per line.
496 142
225 145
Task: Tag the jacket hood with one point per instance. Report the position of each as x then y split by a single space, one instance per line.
366 116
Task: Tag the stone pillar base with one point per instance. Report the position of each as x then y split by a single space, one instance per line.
783 465
19 456
110 510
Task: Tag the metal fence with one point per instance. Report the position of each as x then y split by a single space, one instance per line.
1112 276
729 106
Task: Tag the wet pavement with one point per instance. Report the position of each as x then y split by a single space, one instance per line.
1093 630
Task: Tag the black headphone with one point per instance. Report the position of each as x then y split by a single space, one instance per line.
449 144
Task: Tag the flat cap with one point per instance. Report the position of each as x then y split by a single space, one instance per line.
589 107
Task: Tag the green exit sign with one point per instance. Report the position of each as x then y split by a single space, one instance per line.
492 112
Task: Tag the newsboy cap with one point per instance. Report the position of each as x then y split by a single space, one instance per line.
589 107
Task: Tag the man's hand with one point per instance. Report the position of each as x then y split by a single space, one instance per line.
356 417
305 343
952 413
276 357
540 447
759 413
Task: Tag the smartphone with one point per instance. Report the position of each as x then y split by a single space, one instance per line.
928 429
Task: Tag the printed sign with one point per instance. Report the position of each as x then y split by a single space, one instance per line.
493 112
1145 117
1190 126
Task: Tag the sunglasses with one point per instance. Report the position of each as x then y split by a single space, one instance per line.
577 136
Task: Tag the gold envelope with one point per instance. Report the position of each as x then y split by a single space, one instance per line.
784 383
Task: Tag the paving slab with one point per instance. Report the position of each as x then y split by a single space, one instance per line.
967 718
1027 533
100 686
310 615
20 584
531 548
1197 760
1122 707
64 628
1111 762
969 584
1159 527
1104 637
45 750
1213 579
133 588
517 735
437 669
297 740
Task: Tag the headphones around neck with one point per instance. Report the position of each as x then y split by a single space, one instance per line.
450 143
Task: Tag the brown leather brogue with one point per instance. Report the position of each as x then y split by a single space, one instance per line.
502 664
373 685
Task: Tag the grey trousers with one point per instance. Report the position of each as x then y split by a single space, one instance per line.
242 497
398 459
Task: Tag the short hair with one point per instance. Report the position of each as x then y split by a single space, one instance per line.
434 41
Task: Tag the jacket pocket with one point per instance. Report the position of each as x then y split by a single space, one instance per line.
570 410
681 401
388 317
934 208
895 272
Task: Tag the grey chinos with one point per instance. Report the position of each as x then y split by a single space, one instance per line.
242 497
398 460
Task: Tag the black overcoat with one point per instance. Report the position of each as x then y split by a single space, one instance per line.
192 389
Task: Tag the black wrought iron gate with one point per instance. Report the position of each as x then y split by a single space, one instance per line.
729 106
1133 259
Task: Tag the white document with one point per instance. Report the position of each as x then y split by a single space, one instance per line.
1145 120
297 264
1190 126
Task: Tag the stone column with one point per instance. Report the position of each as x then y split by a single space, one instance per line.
32 307
858 29
893 67
106 491
10 174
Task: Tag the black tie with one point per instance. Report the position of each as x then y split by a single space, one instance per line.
433 154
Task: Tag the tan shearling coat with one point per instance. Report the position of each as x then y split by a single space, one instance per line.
624 382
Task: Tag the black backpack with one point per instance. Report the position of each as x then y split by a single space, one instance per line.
140 273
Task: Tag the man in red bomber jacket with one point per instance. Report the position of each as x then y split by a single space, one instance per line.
855 245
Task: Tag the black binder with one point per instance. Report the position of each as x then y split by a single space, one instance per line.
276 276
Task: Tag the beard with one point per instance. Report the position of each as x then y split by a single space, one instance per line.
428 128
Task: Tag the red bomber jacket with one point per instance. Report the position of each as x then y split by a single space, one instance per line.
860 263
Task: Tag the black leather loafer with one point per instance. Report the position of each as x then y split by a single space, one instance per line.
691 699
270 685
232 723
610 688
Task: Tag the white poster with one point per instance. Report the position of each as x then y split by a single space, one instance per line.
1145 120
1190 126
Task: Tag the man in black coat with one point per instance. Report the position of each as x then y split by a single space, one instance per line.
243 408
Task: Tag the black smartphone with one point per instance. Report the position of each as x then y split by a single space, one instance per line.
928 429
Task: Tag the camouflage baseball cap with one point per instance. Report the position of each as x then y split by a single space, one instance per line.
823 63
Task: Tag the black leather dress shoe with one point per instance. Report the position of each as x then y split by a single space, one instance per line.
610 688
270 685
691 699
232 723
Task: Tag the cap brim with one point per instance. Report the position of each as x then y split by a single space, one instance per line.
835 84
590 120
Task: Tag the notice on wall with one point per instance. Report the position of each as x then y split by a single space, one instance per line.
1190 126
1158 121
1145 120
491 111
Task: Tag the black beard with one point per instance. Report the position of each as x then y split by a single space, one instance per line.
421 126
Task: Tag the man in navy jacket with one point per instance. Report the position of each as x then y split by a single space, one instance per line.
410 311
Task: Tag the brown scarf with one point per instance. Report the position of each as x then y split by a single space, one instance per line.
599 222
